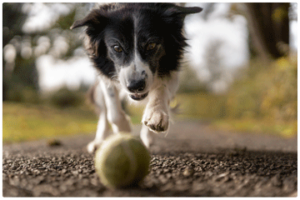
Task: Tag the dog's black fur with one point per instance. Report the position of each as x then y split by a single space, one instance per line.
159 23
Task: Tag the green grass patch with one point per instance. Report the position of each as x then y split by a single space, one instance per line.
286 130
23 122
200 106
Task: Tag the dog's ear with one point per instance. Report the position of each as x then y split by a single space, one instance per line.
188 10
177 11
94 18
96 22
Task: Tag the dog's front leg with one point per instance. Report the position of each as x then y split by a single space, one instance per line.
157 111
110 110
119 121
147 136
156 116
97 97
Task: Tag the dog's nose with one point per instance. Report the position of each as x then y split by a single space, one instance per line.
136 85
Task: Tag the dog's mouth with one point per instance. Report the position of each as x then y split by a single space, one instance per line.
138 97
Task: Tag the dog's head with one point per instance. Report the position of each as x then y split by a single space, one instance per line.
136 43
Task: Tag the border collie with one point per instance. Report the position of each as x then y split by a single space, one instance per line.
136 48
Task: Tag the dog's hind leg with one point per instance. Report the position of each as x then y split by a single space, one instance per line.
97 98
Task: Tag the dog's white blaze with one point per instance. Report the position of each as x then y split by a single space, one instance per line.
134 71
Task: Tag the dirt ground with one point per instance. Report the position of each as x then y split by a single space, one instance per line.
192 160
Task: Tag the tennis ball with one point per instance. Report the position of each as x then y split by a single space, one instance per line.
122 160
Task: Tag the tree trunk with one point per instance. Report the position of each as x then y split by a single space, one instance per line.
269 27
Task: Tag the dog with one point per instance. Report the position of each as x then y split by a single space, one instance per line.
136 48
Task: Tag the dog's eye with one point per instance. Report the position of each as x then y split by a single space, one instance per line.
151 46
118 48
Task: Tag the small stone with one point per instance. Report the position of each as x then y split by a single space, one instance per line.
188 171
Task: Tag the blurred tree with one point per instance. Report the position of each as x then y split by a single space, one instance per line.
13 20
269 28
21 47
13 26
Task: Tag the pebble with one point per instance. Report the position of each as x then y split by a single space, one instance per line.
188 171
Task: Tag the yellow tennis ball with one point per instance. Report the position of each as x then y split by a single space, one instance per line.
122 160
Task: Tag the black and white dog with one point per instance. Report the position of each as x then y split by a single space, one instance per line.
137 48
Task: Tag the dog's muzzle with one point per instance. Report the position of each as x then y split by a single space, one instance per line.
136 86
138 97
136 89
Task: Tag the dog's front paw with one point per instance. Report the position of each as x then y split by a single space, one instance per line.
156 120
93 145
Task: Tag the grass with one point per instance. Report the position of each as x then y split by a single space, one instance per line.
286 130
23 122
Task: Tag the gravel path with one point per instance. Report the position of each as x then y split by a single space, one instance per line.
192 160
